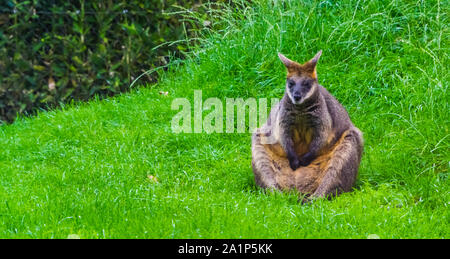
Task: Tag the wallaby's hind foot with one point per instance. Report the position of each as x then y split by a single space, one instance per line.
262 165
342 169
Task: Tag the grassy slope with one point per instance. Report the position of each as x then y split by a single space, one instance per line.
83 170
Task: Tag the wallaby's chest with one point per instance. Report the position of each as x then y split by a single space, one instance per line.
302 136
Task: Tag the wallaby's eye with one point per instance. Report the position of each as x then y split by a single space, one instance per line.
291 84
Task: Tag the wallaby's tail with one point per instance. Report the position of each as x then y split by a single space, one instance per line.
342 168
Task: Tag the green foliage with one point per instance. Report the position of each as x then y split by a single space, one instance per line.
88 169
56 51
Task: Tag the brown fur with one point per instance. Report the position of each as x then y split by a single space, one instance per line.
272 170
337 143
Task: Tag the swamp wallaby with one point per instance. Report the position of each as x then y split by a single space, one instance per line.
308 142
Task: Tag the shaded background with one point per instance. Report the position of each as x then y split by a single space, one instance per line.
52 51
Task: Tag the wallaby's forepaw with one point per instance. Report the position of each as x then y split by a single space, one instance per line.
294 163
306 159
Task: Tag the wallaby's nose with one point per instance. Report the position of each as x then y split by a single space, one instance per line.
297 97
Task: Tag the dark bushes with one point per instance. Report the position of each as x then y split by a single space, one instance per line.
53 51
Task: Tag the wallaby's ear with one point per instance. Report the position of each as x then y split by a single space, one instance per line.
311 65
290 65
287 62
314 60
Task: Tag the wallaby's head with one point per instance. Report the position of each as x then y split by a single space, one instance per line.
301 80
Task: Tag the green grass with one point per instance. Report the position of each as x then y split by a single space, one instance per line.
84 169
